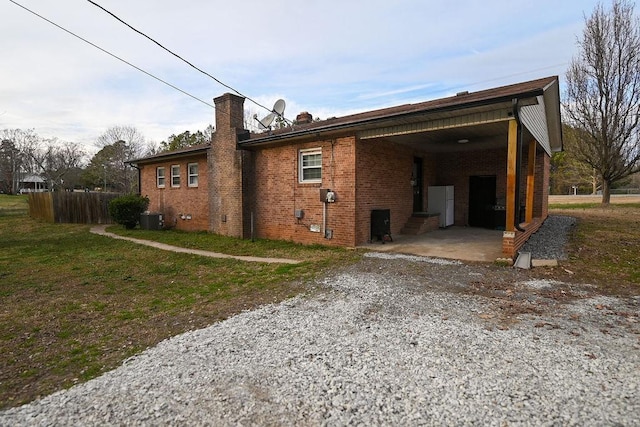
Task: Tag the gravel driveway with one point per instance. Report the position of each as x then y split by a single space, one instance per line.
393 340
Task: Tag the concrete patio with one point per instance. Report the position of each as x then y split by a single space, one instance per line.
461 243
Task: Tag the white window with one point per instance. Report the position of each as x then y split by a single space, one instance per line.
310 165
192 170
175 175
160 177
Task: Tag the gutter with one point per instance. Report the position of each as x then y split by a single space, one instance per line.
516 202
135 166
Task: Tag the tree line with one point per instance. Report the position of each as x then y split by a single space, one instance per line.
26 157
600 108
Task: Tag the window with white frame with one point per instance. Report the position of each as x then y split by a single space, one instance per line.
175 175
192 171
160 178
310 166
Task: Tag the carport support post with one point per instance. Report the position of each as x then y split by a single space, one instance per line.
531 175
511 175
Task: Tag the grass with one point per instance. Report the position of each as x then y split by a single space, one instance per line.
13 205
557 206
74 304
605 246
228 245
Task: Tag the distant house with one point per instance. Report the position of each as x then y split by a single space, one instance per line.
32 184
493 147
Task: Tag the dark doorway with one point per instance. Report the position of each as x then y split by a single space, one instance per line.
416 181
482 201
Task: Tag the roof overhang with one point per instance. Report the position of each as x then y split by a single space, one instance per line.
170 155
446 120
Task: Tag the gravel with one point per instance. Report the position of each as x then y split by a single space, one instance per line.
550 241
389 341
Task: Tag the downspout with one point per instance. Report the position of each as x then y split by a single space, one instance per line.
516 210
135 166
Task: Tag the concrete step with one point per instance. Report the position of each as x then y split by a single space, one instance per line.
419 225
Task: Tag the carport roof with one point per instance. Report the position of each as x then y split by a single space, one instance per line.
540 103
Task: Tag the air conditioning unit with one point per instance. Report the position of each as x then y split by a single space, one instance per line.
151 221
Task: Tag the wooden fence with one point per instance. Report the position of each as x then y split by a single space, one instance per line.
71 207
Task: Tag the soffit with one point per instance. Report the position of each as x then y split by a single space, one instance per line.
482 128
535 120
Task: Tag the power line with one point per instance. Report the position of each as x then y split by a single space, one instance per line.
113 55
202 71
180 57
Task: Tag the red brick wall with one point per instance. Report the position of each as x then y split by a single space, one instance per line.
456 168
513 241
174 201
278 194
225 168
383 181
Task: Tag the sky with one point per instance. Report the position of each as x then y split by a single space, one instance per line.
329 57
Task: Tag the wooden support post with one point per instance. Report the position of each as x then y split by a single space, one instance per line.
511 175
531 175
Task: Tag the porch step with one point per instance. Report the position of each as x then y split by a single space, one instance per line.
420 224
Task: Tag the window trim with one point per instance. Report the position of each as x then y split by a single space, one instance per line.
174 176
163 177
192 175
302 168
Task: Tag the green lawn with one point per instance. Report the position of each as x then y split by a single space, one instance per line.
75 304
605 246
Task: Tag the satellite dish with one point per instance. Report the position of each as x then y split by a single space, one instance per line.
278 107
278 110
266 122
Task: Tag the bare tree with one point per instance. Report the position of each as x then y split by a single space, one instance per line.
133 139
56 161
603 94
108 168
24 141
24 153
208 132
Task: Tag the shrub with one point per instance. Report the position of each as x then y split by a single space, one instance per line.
126 210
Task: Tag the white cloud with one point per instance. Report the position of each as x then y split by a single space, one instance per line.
329 58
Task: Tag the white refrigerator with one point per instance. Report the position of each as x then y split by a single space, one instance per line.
440 201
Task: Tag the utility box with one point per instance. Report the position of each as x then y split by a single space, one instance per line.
151 221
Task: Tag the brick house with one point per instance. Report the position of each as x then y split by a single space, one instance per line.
493 147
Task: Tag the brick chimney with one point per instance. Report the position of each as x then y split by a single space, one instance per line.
229 111
225 165
304 118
